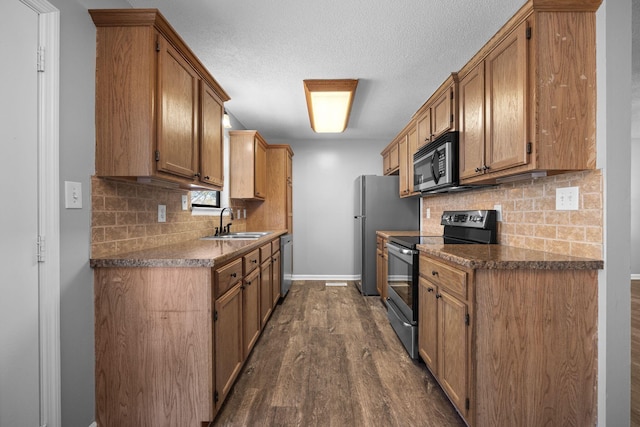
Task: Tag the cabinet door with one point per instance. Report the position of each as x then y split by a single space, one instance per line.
471 120
177 141
211 151
251 310
260 170
266 301
394 158
275 279
228 337
453 363
428 324
506 96
441 118
412 145
289 194
424 128
379 278
403 154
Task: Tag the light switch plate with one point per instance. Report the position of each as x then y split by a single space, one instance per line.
185 202
567 198
162 213
72 195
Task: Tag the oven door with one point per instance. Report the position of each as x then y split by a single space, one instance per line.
402 281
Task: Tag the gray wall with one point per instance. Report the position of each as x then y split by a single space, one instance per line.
635 141
77 142
323 175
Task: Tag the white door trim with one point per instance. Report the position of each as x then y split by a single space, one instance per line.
49 210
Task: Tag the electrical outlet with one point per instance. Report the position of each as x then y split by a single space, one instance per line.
567 198
162 213
185 202
498 209
428 213
72 195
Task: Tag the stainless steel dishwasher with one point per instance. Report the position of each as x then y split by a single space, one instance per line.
286 263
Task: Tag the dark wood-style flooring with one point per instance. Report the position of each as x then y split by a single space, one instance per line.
328 357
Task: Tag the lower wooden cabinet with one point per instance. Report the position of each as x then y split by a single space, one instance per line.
276 279
171 341
502 342
381 267
266 301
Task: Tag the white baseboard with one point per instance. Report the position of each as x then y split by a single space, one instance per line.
323 277
635 277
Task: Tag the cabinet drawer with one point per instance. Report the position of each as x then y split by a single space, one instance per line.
227 276
265 252
275 245
450 278
251 261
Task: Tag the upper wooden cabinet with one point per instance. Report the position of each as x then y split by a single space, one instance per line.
158 110
276 211
527 98
248 165
407 146
436 116
390 158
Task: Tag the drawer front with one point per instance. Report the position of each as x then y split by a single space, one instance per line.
275 245
265 252
251 261
227 276
443 275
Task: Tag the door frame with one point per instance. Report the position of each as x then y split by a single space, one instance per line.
49 210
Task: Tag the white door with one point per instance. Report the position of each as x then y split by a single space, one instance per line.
19 321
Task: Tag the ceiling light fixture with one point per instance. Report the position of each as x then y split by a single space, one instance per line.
329 103
226 121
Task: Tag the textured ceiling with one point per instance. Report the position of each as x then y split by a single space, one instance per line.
261 51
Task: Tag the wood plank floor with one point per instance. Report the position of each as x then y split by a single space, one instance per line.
635 353
329 357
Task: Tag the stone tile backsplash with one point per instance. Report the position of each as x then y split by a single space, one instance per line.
124 217
529 218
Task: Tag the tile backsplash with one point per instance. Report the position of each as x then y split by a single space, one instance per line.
529 217
124 217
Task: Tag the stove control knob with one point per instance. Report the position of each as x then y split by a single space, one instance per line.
478 218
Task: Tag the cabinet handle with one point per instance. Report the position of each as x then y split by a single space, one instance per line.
478 169
197 174
233 274
438 296
434 273
254 261
248 283
486 168
207 177
429 289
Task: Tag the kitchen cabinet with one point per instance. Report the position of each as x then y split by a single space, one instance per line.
248 164
266 268
407 146
276 211
390 158
493 337
436 116
382 257
276 279
171 341
527 98
443 336
158 110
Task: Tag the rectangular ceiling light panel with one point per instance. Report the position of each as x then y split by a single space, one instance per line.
329 103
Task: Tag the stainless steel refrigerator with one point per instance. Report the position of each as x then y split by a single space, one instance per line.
378 206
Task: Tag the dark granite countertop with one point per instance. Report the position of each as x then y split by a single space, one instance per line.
193 253
508 258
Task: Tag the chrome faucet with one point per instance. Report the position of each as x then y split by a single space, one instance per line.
220 231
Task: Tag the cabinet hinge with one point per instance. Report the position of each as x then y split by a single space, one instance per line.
215 315
157 46
41 249
528 33
40 59
467 404
452 118
467 320
157 155
216 397
529 148
452 94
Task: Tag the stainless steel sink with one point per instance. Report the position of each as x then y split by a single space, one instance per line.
240 235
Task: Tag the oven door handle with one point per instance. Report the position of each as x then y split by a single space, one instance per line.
403 251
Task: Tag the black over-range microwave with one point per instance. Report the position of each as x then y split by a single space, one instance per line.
435 166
